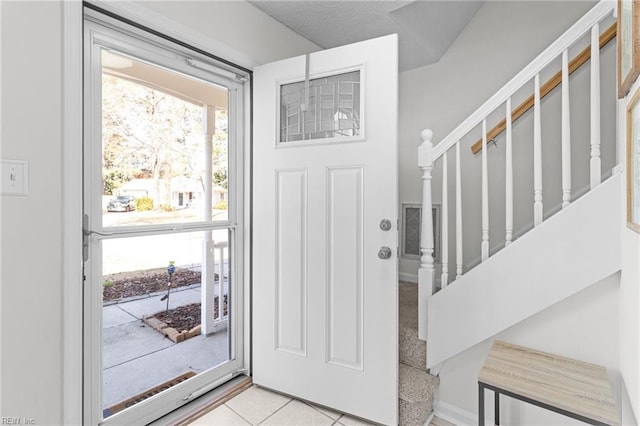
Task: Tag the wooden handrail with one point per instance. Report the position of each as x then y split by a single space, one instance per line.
546 88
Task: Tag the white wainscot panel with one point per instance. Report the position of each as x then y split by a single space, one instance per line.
291 261
345 266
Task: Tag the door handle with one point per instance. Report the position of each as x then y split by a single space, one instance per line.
384 252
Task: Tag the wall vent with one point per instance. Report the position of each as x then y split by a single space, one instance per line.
411 227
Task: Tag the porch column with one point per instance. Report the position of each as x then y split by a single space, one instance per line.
208 250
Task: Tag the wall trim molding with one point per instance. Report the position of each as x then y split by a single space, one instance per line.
455 414
152 19
71 223
410 278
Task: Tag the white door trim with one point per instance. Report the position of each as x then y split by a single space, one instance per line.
151 19
71 368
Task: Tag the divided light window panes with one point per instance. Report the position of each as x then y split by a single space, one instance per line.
331 110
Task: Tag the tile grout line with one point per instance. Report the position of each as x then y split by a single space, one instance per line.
271 415
239 415
315 408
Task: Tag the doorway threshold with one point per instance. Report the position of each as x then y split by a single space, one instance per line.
207 402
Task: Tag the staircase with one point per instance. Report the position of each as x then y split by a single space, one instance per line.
529 269
416 385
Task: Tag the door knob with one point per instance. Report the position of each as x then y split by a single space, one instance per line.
384 252
385 224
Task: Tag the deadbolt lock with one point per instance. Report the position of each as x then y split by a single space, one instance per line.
385 224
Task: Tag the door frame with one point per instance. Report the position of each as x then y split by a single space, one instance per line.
72 111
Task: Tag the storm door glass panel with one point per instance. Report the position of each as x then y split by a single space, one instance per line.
331 110
163 246
156 125
153 314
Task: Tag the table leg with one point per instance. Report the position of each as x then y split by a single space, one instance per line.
480 404
496 408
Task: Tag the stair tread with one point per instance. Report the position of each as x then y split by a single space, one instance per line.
415 384
408 298
413 351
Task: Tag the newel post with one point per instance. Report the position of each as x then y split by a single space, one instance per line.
426 273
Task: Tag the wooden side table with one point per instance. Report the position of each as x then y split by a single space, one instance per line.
573 388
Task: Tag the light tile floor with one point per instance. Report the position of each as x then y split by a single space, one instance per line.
257 406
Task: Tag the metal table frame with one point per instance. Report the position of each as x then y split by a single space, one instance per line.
497 391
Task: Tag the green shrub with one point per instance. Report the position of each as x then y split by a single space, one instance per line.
144 203
107 283
167 207
221 205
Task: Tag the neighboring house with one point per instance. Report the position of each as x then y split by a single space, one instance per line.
499 40
180 191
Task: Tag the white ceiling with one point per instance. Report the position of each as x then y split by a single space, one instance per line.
426 28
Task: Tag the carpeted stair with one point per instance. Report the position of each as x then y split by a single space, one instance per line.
416 386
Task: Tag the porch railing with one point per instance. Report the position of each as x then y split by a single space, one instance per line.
215 295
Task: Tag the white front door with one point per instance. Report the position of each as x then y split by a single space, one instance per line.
325 315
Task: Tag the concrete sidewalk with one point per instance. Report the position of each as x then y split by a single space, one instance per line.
136 358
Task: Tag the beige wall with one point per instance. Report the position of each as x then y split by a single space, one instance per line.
30 226
236 24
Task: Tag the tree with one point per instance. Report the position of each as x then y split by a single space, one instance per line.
148 133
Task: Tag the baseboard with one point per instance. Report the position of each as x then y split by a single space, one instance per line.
628 417
428 421
455 415
410 278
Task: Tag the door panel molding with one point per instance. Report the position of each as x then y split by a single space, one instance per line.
291 262
345 271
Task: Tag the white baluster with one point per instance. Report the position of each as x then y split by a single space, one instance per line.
426 273
508 185
595 106
219 296
484 245
537 156
221 291
444 233
458 213
566 133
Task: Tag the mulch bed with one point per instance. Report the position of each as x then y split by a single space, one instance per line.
129 284
183 322
182 318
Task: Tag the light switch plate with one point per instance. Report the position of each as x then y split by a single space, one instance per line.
14 177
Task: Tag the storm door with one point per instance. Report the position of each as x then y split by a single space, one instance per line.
163 208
